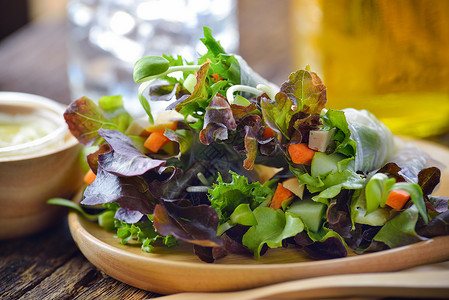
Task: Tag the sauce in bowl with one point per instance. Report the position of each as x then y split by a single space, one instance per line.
16 129
39 160
29 124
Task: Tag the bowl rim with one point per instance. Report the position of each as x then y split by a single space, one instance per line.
37 146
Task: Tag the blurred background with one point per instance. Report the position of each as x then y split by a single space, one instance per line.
390 57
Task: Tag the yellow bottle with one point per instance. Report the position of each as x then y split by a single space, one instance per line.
388 56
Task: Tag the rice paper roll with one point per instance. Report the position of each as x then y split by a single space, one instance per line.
412 160
375 142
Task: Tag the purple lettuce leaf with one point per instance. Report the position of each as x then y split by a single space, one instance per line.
392 170
129 216
125 159
184 138
195 104
438 226
218 119
251 146
92 158
306 90
129 192
209 254
193 224
338 218
84 118
241 111
438 204
330 248
428 179
302 96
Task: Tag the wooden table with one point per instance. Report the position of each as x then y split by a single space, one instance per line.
48 265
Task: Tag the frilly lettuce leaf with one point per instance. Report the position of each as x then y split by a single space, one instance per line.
277 113
303 93
226 197
306 90
144 233
223 64
84 118
195 104
218 119
251 142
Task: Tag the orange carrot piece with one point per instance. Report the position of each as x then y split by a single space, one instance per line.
268 133
397 199
155 141
301 154
161 127
216 77
280 195
89 177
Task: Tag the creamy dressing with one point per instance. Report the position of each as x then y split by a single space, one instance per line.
16 129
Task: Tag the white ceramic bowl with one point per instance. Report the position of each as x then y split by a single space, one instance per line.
34 171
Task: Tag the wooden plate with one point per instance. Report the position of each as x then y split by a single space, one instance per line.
177 269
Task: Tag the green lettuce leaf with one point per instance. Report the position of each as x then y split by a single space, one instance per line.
223 64
330 185
226 197
377 190
400 230
144 233
182 136
273 226
341 140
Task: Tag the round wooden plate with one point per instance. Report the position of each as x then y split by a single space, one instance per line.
177 269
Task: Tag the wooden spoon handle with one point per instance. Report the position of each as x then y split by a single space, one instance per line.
431 284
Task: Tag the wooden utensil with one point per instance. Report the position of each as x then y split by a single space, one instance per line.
401 284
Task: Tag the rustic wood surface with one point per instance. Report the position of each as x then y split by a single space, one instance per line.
49 265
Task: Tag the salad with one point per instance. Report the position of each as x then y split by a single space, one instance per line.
233 164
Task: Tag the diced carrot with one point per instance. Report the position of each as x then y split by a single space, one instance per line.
161 127
216 77
397 199
280 195
268 133
301 154
89 177
155 141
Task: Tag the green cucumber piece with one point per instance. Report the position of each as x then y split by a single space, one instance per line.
323 164
310 212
